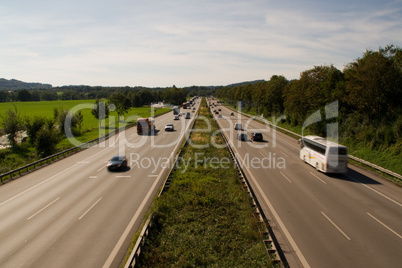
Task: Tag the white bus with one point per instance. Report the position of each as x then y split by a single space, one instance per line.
326 156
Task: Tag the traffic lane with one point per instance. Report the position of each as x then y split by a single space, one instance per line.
297 174
356 175
125 213
89 241
69 177
341 210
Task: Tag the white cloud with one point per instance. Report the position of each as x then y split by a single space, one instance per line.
185 42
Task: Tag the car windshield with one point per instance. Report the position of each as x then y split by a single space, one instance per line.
117 158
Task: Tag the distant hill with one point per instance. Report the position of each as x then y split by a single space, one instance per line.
245 83
16 84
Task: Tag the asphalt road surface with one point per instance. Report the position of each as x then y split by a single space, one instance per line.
345 220
75 213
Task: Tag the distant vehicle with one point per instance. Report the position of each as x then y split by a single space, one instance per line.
219 116
242 137
256 136
184 105
219 110
176 110
326 156
232 113
237 126
193 108
145 125
169 127
117 162
176 117
187 115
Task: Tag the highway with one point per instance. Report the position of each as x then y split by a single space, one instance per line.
320 220
75 213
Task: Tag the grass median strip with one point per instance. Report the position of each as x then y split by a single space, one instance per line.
205 218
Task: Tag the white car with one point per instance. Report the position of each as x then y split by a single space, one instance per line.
176 117
169 127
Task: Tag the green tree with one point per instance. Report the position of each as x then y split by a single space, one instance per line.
121 102
33 125
373 84
47 139
175 96
12 124
100 111
60 116
295 103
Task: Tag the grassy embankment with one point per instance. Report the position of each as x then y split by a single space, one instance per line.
389 158
25 154
205 218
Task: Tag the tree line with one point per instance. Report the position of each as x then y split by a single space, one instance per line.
368 91
44 133
138 96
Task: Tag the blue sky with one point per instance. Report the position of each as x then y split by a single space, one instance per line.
185 43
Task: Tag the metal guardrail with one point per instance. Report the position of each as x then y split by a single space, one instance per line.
51 158
137 250
359 160
18 171
270 242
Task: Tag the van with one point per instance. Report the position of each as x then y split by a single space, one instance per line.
237 126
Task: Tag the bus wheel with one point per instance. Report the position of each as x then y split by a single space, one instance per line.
317 166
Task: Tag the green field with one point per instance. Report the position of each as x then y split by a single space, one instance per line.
46 109
25 153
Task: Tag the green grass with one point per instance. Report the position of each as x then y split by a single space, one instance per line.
46 109
24 154
205 218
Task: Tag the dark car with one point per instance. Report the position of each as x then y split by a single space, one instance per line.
242 137
117 162
231 113
256 136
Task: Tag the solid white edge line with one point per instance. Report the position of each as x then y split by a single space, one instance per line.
91 207
336 226
48 205
383 224
120 242
279 221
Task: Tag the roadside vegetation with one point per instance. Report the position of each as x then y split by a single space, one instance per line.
367 92
205 218
43 125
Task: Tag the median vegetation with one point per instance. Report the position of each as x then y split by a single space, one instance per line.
205 217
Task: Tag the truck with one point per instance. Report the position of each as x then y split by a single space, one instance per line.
184 105
145 125
176 110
